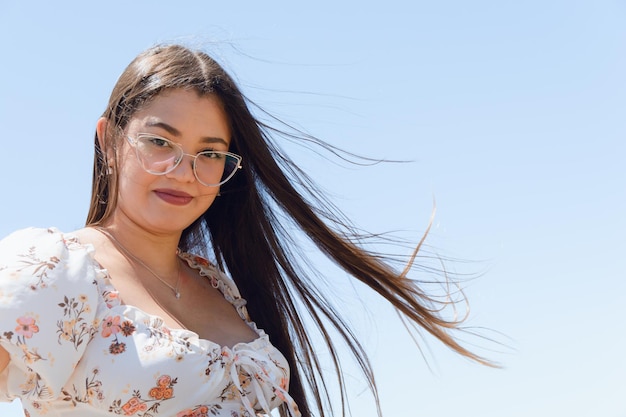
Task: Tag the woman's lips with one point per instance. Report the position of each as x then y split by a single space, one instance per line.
178 198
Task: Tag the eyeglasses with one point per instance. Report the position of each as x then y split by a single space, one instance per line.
160 156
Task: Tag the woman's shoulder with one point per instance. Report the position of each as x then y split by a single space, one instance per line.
31 237
37 243
27 233
39 237
39 257
49 297
32 240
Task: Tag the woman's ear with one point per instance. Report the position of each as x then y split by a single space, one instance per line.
101 128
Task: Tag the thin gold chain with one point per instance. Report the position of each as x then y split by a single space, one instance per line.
129 254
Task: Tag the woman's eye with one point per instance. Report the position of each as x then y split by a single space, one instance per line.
212 154
160 142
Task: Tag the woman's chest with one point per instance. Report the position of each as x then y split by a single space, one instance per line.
200 304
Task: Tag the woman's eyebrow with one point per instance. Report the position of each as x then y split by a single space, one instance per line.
175 132
214 140
169 128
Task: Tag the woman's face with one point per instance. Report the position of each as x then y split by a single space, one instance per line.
170 202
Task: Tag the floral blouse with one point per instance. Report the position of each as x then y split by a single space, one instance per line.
76 350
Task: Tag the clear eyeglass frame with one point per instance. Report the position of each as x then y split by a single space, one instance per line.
180 154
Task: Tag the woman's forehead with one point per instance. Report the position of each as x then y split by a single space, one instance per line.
182 113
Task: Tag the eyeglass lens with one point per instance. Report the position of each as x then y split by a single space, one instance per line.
160 156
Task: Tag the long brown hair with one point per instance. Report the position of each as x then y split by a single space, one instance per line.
246 229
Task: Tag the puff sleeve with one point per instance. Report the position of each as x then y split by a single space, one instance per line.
48 299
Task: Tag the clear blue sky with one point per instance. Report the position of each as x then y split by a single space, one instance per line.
512 113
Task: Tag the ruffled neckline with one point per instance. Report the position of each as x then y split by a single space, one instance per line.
205 269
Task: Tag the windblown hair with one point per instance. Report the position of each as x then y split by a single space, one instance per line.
245 229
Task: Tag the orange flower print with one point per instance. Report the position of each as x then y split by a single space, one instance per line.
160 393
163 390
26 327
146 407
168 393
133 406
111 325
201 411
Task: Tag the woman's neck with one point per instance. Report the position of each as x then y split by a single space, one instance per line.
156 249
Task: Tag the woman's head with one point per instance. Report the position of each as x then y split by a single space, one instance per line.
152 74
171 161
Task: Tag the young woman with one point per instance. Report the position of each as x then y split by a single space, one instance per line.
125 317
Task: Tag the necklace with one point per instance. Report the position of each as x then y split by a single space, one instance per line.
129 254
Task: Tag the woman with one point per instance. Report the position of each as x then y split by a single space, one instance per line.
123 317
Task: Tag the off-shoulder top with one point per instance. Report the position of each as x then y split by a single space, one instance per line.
76 350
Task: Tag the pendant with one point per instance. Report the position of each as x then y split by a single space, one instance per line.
177 295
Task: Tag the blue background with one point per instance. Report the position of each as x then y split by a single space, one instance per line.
511 113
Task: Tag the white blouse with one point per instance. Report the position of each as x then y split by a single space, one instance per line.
76 350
